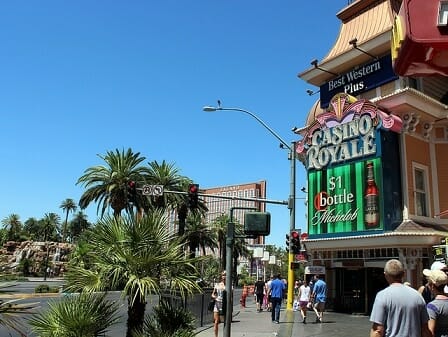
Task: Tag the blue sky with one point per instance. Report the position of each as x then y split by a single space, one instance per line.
80 78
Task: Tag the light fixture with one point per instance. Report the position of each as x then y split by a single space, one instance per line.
354 43
311 92
297 130
314 63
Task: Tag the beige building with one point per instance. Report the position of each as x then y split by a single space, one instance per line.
406 210
234 196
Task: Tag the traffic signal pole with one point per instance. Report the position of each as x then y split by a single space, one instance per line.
292 224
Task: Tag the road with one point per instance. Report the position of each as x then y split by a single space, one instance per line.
26 289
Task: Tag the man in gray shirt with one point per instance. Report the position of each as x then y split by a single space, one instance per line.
398 310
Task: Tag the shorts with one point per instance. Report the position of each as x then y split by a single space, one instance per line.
218 306
319 306
303 304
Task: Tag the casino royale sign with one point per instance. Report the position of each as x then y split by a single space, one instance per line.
342 143
347 131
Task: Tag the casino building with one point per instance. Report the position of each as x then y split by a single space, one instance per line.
375 148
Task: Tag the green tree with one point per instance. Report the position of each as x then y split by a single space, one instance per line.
169 321
168 176
139 256
84 315
13 225
68 205
32 228
77 226
108 184
198 235
219 227
50 225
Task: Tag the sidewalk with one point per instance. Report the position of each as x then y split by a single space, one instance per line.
247 322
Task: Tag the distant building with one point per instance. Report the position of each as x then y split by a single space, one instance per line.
217 206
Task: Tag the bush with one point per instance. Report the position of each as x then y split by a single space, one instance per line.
42 288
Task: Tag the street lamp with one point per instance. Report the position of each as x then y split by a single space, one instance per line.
292 193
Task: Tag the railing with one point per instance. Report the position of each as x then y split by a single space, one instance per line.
197 304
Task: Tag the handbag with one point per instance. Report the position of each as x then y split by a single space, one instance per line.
211 305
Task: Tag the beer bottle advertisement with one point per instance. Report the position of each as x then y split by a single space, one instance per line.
345 198
371 199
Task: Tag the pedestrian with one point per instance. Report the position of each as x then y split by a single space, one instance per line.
438 307
425 290
277 289
268 292
304 299
319 296
295 306
219 295
244 296
259 293
398 310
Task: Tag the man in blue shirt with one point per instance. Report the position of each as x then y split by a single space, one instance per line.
319 296
277 289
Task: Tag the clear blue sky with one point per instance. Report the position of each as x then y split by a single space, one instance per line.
79 78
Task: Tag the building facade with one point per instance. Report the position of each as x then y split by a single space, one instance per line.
220 200
374 147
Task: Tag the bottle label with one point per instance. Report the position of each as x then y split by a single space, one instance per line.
371 212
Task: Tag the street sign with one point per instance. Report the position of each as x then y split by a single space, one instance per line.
154 190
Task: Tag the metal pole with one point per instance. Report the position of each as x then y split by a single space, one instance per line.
292 224
229 256
292 194
230 237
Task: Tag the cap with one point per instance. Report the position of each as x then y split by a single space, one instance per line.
437 277
438 265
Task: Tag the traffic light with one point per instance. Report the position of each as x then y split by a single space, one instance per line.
295 242
193 197
132 191
287 243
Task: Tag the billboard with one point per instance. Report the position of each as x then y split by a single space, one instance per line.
342 152
345 198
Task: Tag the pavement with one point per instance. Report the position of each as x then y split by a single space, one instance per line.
247 322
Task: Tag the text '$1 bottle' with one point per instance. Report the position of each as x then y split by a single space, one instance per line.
371 199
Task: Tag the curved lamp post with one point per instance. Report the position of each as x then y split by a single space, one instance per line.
291 206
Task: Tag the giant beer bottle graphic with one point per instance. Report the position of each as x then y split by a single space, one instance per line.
371 197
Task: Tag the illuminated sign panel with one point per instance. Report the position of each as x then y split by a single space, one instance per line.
359 80
342 150
345 198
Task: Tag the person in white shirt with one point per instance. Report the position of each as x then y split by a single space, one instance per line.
304 298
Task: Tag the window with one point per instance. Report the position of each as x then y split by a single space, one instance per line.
443 14
421 190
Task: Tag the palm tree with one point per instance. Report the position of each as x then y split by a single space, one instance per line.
138 256
168 176
31 227
50 224
167 320
14 226
84 315
68 205
198 235
219 227
239 250
108 184
77 226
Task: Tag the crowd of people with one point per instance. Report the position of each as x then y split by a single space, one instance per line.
401 310
308 296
